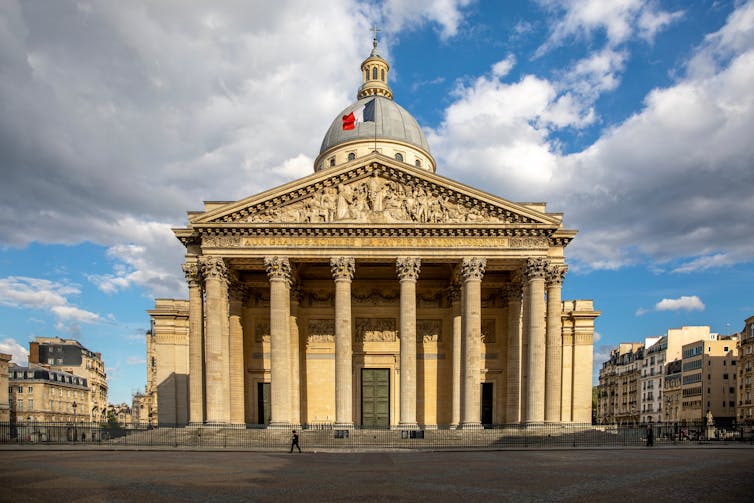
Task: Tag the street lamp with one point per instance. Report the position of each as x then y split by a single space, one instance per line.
75 433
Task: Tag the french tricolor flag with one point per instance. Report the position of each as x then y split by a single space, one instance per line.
365 113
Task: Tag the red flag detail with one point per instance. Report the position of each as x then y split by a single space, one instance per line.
349 121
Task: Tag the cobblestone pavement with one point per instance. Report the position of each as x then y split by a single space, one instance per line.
638 474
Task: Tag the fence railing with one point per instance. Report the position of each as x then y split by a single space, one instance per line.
324 436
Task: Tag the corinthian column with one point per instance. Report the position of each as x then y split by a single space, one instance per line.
553 358
216 340
342 270
196 342
236 371
408 272
472 270
454 295
534 273
295 355
513 396
279 272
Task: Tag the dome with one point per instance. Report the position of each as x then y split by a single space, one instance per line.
392 121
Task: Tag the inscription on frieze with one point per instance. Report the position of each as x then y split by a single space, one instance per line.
325 242
428 330
376 330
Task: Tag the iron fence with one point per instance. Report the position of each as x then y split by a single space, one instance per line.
324 436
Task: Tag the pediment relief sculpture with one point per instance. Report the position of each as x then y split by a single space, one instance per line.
376 199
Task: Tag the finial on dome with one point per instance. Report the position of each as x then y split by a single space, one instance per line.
374 72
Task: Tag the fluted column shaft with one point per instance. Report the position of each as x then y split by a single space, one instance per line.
408 272
342 270
534 273
196 342
237 378
216 340
455 408
295 367
279 273
513 389
472 270
554 353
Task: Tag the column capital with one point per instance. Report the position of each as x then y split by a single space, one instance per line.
535 268
453 293
555 274
472 268
213 267
237 291
193 272
297 293
342 268
408 268
513 291
278 268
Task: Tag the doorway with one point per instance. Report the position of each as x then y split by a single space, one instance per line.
375 398
263 403
487 395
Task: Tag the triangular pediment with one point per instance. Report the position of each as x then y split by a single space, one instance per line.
375 190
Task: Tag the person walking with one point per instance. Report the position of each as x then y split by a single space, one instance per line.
650 436
294 441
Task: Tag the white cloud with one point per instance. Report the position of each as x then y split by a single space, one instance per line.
641 311
707 262
684 303
411 14
19 354
619 20
45 295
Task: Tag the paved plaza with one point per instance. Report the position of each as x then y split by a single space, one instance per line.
637 474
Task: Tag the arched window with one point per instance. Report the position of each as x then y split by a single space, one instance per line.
374 73
351 156
418 163
332 161
382 73
399 157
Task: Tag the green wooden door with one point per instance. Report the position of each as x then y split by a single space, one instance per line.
375 398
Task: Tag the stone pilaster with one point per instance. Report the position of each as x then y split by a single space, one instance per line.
513 294
534 274
279 273
194 279
553 350
454 296
295 355
408 272
236 368
343 269
216 339
472 270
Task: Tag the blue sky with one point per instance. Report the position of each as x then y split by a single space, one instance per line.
632 117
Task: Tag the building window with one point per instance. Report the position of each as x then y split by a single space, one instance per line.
31 403
20 404
332 161
725 376
351 156
399 157
418 163
30 389
382 74
374 73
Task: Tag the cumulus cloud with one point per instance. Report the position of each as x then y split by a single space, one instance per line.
19 354
683 303
44 295
619 20
410 14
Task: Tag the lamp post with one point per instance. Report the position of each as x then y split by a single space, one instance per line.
75 433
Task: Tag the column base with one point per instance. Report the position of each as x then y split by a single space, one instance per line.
453 426
470 426
279 425
342 426
408 426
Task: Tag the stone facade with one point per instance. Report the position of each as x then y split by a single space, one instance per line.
45 395
69 355
745 409
375 292
4 396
